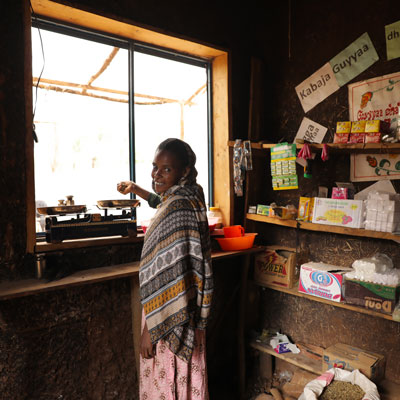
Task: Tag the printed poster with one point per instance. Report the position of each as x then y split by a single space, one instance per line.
374 167
354 59
376 98
392 33
317 87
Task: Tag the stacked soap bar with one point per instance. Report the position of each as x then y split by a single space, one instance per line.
360 131
382 212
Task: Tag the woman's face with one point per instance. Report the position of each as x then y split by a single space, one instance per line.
167 171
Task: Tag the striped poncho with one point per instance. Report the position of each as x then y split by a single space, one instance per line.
175 271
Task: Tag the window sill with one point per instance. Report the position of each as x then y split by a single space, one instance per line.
43 247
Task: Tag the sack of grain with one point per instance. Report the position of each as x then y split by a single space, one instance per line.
315 388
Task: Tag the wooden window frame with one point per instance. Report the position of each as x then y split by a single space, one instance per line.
219 59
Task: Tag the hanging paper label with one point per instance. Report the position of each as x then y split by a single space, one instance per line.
392 33
310 131
317 87
283 167
354 59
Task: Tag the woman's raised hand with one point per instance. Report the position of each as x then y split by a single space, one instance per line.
125 187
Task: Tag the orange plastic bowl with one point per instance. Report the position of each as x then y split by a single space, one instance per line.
237 243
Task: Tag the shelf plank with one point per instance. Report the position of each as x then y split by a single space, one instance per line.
294 292
337 147
388 390
300 360
324 228
11 289
26 287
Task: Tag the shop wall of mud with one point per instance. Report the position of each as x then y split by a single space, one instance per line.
69 344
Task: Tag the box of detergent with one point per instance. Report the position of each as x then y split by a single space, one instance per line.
322 280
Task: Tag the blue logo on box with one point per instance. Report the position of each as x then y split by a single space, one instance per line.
321 278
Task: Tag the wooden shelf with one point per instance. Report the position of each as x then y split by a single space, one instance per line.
26 287
294 292
300 360
337 147
387 390
324 228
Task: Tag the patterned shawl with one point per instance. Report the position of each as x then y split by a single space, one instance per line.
175 275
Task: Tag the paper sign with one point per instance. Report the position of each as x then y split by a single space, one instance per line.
354 59
311 131
374 167
376 98
392 33
317 87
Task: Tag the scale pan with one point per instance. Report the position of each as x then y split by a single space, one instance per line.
61 210
121 203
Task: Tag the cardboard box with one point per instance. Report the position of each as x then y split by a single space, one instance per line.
305 210
347 213
373 137
341 137
322 280
357 127
340 355
343 127
373 296
276 266
377 125
357 137
265 210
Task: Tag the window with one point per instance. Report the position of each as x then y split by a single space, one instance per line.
219 116
90 136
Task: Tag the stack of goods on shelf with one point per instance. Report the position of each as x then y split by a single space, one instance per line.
373 284
362 131
382 212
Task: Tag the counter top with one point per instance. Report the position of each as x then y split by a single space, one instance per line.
26 287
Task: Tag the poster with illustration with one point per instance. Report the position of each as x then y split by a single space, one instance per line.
375 98
374 167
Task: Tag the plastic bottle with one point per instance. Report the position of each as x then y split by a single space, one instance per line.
214 216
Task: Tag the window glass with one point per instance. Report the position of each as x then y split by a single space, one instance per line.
83 134
82 118
170 101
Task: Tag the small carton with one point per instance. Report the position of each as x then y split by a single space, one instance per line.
373 137
346 213
340 137
372 296
276 266
357 137
322 280
377 125
340 193
265 210
357 127
340 355
305 210
343 126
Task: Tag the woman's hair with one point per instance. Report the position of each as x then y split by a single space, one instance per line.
184 154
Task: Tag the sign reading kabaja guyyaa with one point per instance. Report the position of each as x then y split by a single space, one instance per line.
353 60
317 87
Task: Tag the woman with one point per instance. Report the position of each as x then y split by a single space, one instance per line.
175 280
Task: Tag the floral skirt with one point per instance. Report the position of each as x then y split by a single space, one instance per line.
167 377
